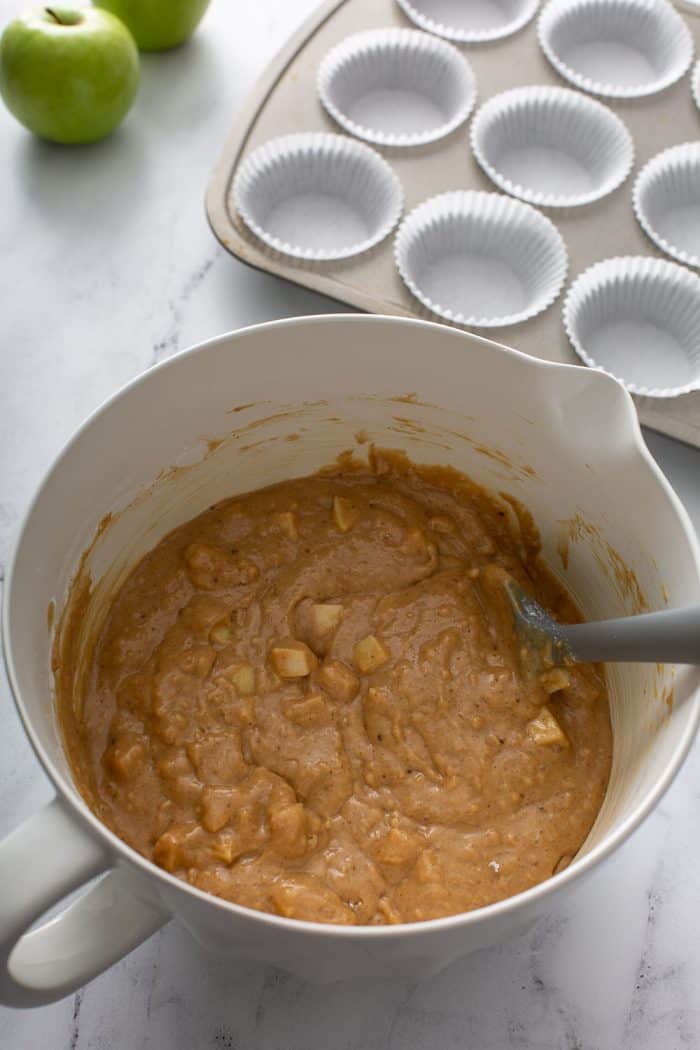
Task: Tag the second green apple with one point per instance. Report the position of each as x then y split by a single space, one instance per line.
157 25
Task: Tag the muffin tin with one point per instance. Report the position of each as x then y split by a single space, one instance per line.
345 74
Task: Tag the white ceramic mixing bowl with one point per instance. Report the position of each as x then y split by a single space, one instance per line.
563 440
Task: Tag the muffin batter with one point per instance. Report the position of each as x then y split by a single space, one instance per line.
309 701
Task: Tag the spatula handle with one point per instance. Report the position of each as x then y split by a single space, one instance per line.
668 637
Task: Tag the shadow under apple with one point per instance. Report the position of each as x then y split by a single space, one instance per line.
79 188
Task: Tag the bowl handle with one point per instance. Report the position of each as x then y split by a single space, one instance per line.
42 861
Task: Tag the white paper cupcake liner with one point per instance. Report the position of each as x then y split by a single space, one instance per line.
470 23
638 319
618 48
695 84
691 6
480 259
397 87
551 146
666 201
318 197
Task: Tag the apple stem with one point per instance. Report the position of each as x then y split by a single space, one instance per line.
52 14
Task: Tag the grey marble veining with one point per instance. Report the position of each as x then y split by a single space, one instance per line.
109 267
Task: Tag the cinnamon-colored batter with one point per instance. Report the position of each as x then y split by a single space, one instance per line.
309 701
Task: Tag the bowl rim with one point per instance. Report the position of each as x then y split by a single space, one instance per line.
117 849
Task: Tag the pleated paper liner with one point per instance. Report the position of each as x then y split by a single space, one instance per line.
480 259
666 201
397 87
552 147
316 197
473 22
638 319
618 48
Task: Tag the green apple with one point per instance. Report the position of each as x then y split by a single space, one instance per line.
68 74
158 24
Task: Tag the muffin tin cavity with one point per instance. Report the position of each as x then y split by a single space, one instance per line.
618 48
480 259
471 22
317 196
551 146
397 87
667 202
638 319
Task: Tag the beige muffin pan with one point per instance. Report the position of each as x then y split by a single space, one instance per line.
286 102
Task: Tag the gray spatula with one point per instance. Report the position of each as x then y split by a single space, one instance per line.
668 637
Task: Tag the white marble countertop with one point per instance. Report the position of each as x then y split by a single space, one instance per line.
109 266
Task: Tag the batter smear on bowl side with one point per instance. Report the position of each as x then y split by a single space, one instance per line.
309 701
